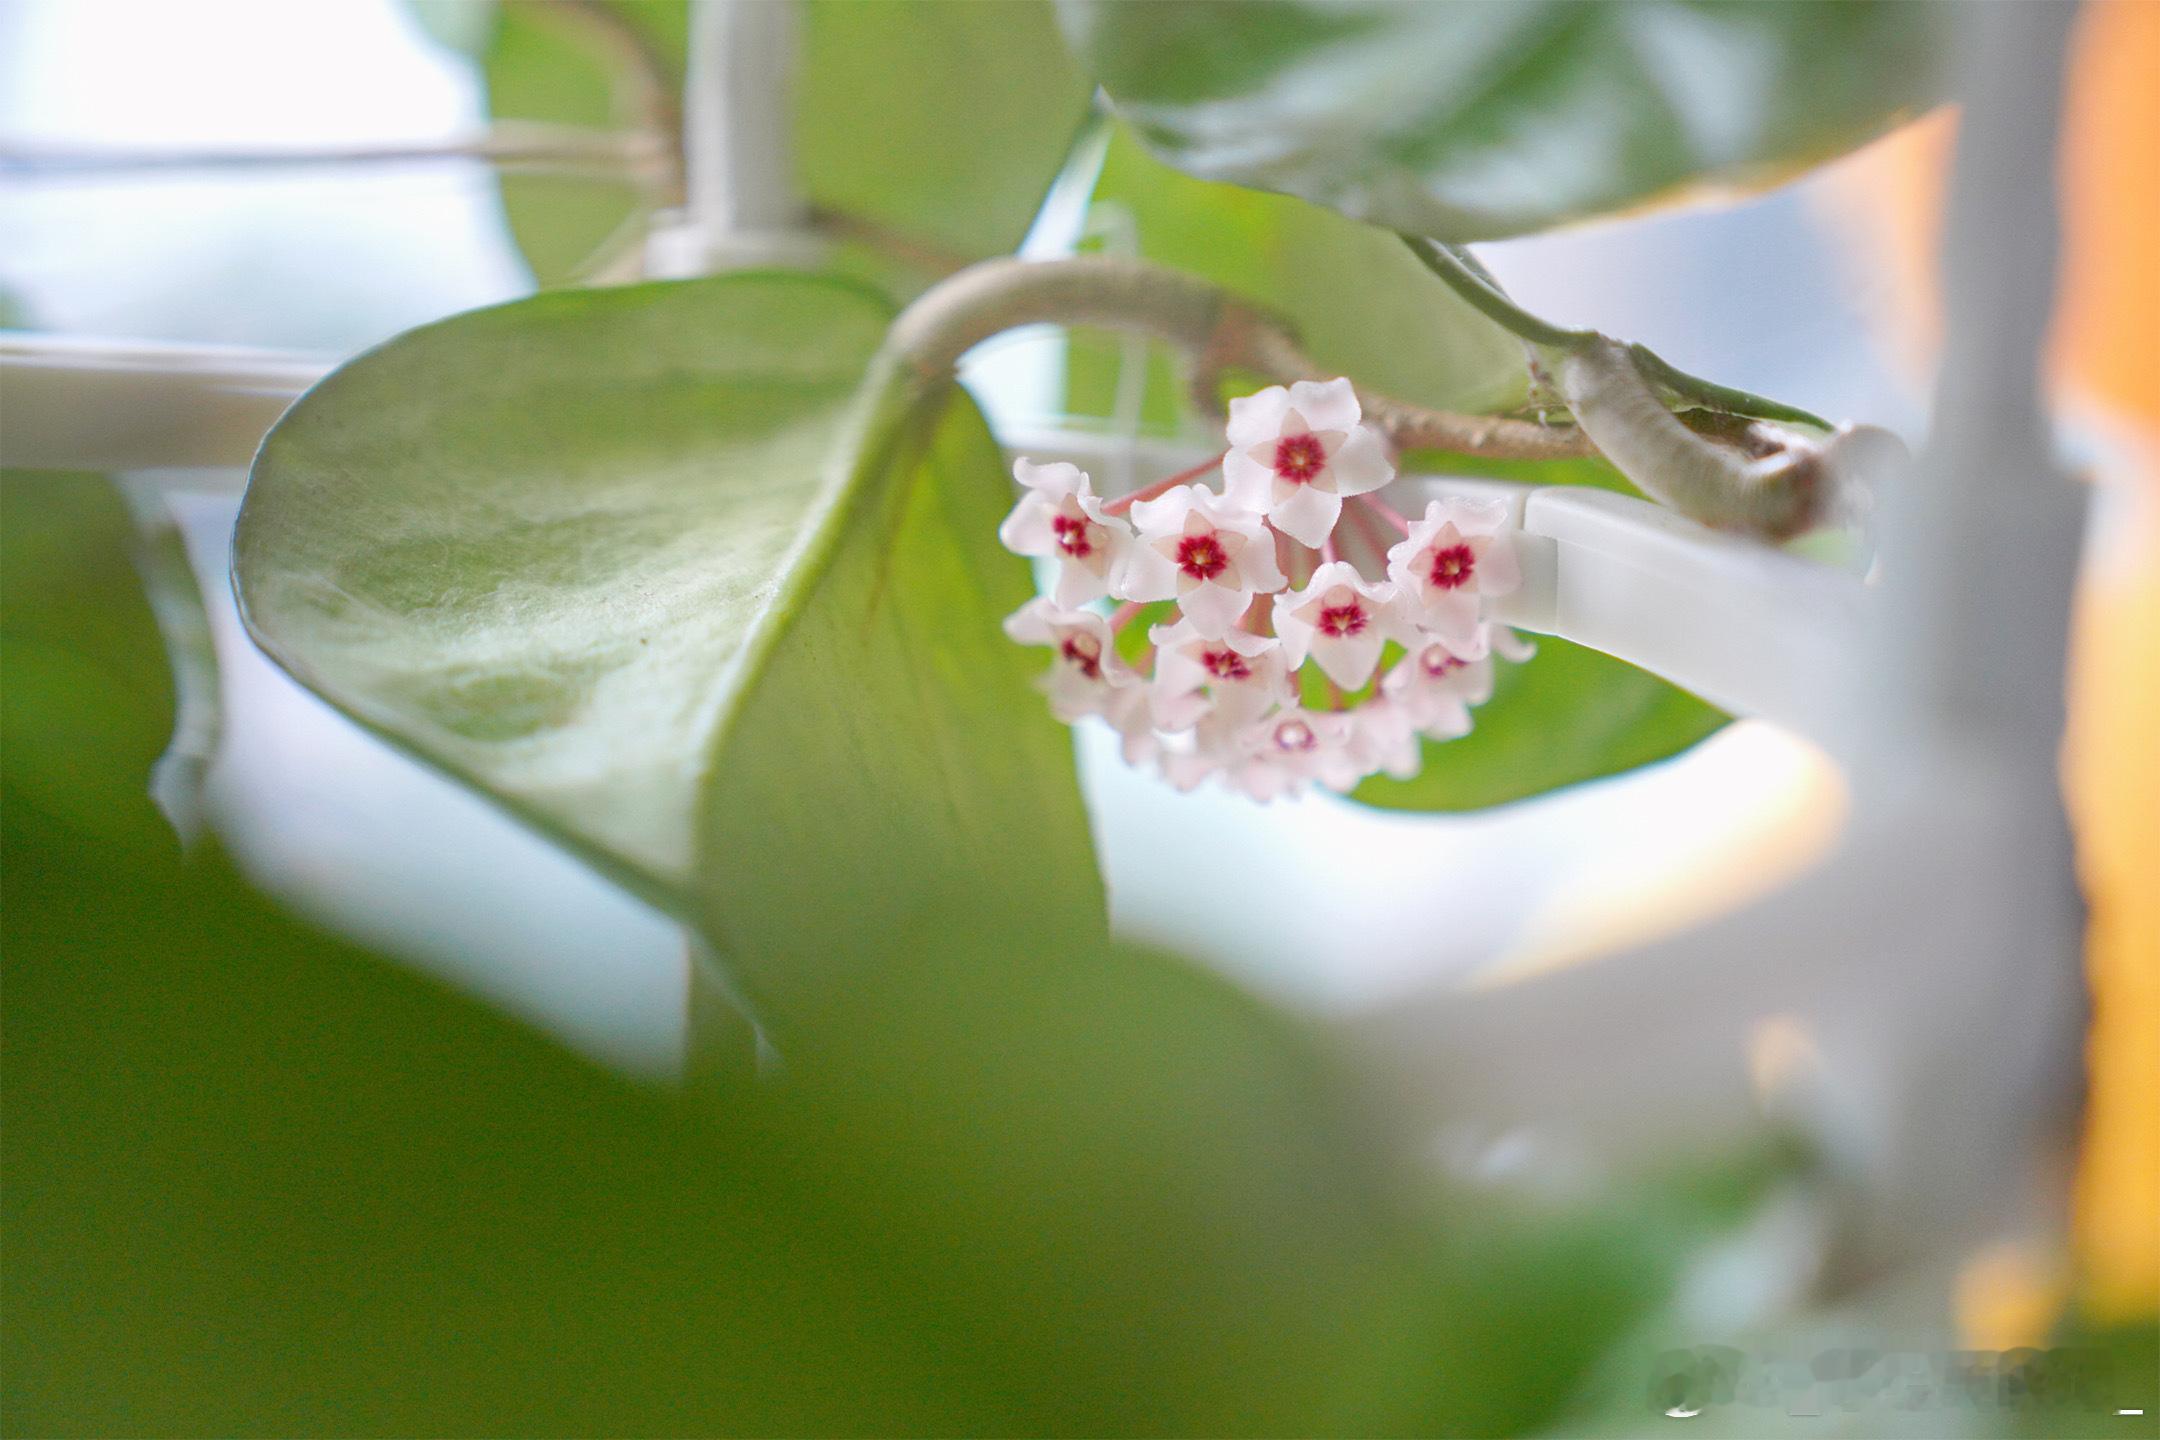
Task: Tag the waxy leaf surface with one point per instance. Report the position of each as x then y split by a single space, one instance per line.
1475 119
656 569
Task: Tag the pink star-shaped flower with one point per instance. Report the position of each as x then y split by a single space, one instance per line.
1207 555
1453 559
1087 677
1232 678
1435 684
1296 453
1342 621
1060 517
1284 753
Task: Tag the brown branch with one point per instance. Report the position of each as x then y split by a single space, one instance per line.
1248 340
1217 330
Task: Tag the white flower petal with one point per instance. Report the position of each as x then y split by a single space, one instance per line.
1213 609
1031 623
1470 517
1146 574
1449 719
1247 482
1053 481
1027 529
1077 584
1296 634
1257 570
1497 572
1072 695
1258 418
1508 645
1400 618
1361 465
1326 404
1245 643
1348 660
1308 516
1165 514
1186 769
1453 616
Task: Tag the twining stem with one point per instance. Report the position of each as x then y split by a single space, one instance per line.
1775 494
1474 283
1738 473
1725 398
1218 330
1462 273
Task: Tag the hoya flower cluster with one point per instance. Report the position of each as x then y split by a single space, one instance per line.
1243 634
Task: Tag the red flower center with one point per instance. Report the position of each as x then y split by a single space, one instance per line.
1225 664
1452 567
1072 535
1341 620
1295 735
1438 662
1085 653
1299 457
1201 556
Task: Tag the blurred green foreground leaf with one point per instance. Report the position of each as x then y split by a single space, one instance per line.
257 1182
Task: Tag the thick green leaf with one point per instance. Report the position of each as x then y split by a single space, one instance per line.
638 564
1475 119
1566 715
1360 303
926 133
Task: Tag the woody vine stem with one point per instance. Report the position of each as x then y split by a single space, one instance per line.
1736 469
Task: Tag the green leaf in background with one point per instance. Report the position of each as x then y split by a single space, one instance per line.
938 122
1361 305
926 134
1476 119
578 63
1566 715
86 700
637 564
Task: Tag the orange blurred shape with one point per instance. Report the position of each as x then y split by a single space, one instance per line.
2106 380
2103 356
